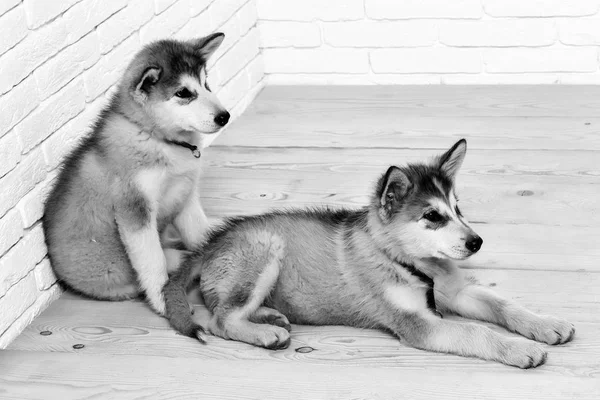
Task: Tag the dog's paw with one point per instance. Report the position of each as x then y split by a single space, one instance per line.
524 354
274 338
550 330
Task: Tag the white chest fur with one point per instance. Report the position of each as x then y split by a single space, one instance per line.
167 191
407 297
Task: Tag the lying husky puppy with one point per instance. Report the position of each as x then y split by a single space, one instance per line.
388 265
136 174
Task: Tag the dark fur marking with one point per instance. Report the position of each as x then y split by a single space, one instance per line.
426 280
239 295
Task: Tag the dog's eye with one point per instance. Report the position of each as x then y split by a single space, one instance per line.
206 86
433 216
458 211
183 93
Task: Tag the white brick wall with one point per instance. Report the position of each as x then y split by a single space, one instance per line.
58 61
430 41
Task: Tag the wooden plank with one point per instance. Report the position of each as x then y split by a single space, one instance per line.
131 328
386 128
434 100
33 375
514 187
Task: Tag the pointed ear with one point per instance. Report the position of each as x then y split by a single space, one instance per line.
148 79
451 161
206 46
396 186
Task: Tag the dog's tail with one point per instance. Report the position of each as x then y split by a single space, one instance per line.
178 310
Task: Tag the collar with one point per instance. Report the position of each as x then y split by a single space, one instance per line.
191 147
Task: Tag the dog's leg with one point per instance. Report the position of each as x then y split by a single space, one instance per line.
428 332
191 222
233 316
138 231
460 294
266 315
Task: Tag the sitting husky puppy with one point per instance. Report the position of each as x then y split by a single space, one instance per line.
136 174
388 265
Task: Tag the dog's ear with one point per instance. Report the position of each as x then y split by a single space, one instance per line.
206 46
396 186
451 161
149 78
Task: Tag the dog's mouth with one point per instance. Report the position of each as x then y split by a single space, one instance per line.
458 255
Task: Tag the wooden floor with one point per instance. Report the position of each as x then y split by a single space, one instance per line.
530 184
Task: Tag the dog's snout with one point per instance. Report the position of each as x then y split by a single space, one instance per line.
474 243
222 118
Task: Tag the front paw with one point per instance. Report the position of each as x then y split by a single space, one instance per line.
550 330
523 354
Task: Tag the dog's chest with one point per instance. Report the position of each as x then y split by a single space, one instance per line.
168 191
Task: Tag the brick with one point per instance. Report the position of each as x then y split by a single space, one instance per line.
22 258
198 6
580 79
122 24
234 90
231 28
11 230
31 206
16 301
349 79
13 28
380 33
51 115
256 71
289 34
308 10
108 70
18 182
66 65
6 5
540 8
501 79
541 60
316 60
222 10
44 276
18 326
247 16
30 53
580 32
162 5
426 60
66 138
407 9
10 153
167 23
18 103
499 33
41 11
85 16
236 58
197 27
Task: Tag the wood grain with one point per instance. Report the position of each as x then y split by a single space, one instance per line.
434 100
389 129
530 185
514 187
131 328
35 375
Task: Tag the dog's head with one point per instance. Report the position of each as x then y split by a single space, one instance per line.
168 82
418 209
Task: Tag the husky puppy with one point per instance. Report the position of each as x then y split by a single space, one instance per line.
389 265
136 174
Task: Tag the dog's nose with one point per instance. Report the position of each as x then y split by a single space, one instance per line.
474 244
222 118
